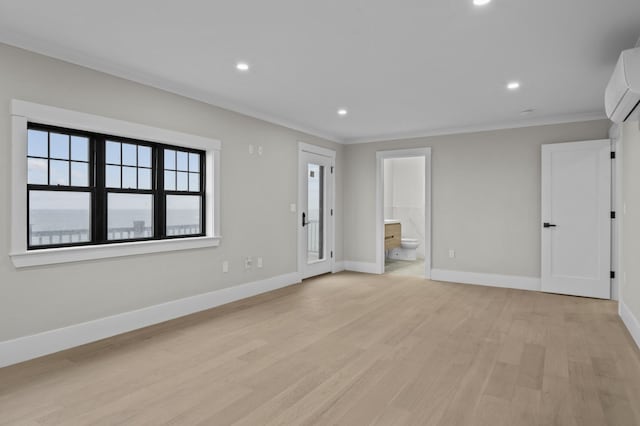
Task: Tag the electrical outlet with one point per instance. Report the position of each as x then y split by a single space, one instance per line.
452 253
247 263
260 150
259 262
225 266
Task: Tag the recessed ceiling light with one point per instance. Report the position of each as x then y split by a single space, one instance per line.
513 85
342 112
481 2
242 66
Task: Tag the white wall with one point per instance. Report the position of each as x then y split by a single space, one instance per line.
485 196
404 196
256 193
630 223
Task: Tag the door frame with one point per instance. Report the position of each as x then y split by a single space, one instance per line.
403 153
331 235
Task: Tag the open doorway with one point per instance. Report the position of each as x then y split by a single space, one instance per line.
404 212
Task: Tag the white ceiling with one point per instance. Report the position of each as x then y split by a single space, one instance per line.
402 67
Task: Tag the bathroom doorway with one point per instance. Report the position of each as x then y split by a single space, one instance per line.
403 240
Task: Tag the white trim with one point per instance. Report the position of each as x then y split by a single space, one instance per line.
337 267
490 280
331 156
403 153
364 267
22 112
616 205
314 149
48 342
630 321
104 251
424 133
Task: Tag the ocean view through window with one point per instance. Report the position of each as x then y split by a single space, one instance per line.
86 188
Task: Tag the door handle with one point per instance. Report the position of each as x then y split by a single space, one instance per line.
549 225
304 219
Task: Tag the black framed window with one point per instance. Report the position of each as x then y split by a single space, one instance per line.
87 188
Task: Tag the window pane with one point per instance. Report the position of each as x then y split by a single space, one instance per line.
129 154
37 171
113 177
129 177
170 181
144 156
182 182
183 161
129 216
144 178
194 181
183 215
79 148
113 152
79 174
59 172
38 143
58 217
169 159
194 162
59 146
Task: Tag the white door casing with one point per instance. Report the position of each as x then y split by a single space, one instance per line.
315 223
576 221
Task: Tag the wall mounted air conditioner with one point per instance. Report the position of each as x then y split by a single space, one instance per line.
622 97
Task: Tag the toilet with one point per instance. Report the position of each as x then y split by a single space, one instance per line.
406 251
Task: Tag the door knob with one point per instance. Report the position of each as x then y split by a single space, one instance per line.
304 219
549 225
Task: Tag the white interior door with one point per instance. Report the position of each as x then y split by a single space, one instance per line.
576 215
315 216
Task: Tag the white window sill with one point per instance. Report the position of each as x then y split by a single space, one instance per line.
78 254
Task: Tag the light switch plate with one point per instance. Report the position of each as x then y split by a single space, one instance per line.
292 207
225 266
259 262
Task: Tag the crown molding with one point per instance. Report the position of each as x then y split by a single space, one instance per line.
79 58
543 121
82 59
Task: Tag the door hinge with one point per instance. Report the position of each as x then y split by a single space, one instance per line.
332 254
612 275
613 154
613 215
331 169
331 212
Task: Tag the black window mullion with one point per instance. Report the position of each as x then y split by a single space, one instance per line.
160 219
100 214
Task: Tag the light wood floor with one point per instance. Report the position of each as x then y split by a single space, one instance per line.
349 349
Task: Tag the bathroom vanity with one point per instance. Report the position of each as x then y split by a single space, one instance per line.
392 234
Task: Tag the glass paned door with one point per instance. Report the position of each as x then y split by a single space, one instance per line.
315 232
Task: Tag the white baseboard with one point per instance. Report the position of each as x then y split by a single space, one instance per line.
48 342
364 267
630 321
491 280
337 267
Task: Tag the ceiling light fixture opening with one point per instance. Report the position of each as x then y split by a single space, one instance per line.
481 2
514 85
242 66
342 112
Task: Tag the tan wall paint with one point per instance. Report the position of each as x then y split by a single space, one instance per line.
630 229
256 193
485 195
